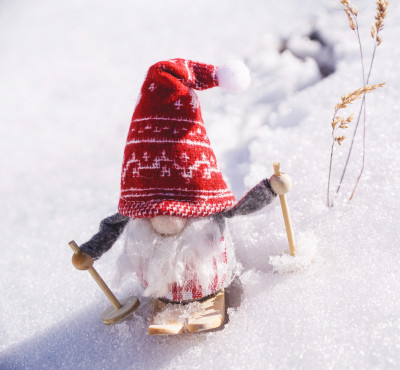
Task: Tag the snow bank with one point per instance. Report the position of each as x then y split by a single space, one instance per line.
306 254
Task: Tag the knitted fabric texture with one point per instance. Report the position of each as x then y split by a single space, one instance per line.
169 167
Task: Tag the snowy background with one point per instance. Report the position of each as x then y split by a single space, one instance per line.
70 72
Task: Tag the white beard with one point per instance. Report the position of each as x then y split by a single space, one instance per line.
195 253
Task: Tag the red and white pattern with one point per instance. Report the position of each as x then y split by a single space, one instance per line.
197 262
169 167
191 288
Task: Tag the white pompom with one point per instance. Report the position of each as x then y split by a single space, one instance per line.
234 76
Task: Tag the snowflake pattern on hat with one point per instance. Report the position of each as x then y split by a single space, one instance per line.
169 167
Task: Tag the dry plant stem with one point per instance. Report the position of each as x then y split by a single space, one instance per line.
351 12
364 136
356 127
362 166
339 122
330 163
364 108
379 23
376 28
381 14
329 176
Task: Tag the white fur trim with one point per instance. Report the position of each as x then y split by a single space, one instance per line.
233 76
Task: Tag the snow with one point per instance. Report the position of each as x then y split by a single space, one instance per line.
305 254
177 313
70 73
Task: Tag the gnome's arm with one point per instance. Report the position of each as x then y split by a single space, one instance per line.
256 199
109 231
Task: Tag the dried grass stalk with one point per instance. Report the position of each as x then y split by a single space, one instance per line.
377 27
351 12
356 94
381 7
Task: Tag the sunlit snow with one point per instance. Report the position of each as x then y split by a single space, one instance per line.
70 74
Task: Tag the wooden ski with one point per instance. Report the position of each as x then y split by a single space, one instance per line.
210 315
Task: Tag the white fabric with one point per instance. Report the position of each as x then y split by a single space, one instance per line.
163 260
234 76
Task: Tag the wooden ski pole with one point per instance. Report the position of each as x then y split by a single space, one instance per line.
109 294
119 310
286 215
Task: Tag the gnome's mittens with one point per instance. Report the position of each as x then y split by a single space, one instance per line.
82 261
256 199
110 230
280 184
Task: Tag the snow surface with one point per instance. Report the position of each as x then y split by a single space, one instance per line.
70 73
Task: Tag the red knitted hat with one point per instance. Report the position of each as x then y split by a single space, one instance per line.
169 167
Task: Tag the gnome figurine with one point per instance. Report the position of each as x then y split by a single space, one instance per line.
174 201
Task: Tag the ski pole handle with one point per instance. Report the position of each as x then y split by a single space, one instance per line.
97 278
74 247
286 215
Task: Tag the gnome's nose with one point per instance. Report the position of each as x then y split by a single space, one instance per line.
168 225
